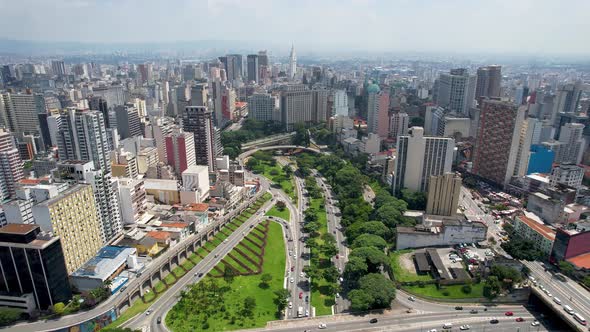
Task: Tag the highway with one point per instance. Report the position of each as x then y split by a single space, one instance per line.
301 258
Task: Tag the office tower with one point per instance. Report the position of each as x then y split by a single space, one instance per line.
82 136
377 111
261 106
19 112
233 66
456 91
497 141
443 194
340 103
199 121
140 106
319 106
419 157
567 174
573 144
199 95
72 216
128 124
11 166
228 104
188 73
568 98
180 150
133 199
292 63
32 263
58 68
489 79
523 151
253 68
158 129
398 124
263 66
301 105
100 104
113 94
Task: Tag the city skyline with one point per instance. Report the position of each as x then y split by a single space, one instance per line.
525 27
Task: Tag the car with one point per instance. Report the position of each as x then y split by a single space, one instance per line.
300 295
292 268
411 298
409 310
458 308
306 298
494 321
306 313
159 320
337 295
464 327
341 279
509 313
337 256
290 305
301 275
292 280
373 321
535 323
473 311
322 326
520 319
148 312
433 330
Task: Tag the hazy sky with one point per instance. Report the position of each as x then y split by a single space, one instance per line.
504 26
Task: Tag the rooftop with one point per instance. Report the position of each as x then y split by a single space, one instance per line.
159 235
106 262
545 231
581 261
18 228
197 207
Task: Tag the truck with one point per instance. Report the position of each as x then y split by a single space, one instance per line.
300 312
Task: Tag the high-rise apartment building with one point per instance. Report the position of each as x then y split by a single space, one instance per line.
20 112
200 95
158 129
58 67
301 105
133 199
233 66
180 150
340 104
568 98
489 79
198 120
573 143
11 166
253 68
419 157
398 124
498 140
261 106
443 194
456 91
72 216
567 174
377 111
32 263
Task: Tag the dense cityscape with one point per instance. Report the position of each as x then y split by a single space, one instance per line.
220 186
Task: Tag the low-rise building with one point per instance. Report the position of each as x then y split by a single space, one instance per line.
108 263
540 234
441 231
163 191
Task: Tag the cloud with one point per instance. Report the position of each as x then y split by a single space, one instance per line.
523 26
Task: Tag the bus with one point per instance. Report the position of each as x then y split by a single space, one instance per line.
579 318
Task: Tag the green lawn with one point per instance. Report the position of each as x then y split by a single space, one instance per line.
280 178
319 296
274 212
186 317
454 291
400 273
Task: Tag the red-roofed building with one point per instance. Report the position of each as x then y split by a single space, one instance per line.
161 237
540 234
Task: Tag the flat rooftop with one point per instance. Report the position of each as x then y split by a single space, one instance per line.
581 261
20 229
106 262
545 231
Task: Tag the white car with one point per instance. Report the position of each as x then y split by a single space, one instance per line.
301 275
292 280
411 298
433 330
535 323
322 326
464 327
290 305
306 313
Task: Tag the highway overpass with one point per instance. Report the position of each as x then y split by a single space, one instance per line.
270 140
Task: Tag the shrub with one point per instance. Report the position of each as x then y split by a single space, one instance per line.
446 293
466 289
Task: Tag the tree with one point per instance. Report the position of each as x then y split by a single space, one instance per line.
287 170
331 274
252 162
359 300
492 287
567 268
586 281
520 248
311 227
281 296
281 205
312 271
355 268
389 215
9 316
229 273
417 122
59 308
329 249
266 278
367 227
310 215
379 288
372 256
492 240
301 135
369 240
416 200
249 305
507 275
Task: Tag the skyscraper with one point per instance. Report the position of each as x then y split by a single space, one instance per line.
419 157
128 124
301 105
398 124
180 150
340 103
489 79
568 98
253 74
11 166
82 136
498 139
58 67
443 194
199 94
456 91
199 121
19 112
573 143
292 63
261 106
377 111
